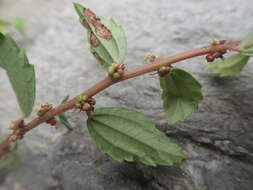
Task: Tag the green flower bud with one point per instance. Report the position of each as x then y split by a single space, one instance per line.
162 68
81 98
116 75
111 70
215 42
115 65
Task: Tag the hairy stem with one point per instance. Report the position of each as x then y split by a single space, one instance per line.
108 81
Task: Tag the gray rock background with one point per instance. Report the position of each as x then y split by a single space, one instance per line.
218 139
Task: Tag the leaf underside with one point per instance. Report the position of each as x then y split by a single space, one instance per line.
63 119
246 45
20 73
107 51
229 66
181 94
128 135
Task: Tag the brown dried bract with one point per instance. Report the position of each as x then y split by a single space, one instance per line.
93 40
90 16
103 32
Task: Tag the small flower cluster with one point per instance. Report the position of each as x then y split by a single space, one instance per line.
43 110
18 130
116 70
164 70
150 58
218 54
83 103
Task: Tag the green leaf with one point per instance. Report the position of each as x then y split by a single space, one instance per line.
3 29
21 74
246 45
107 38
181 95
63 119
3 22
248 52
228 66
11 161
79 9
65 99
3 25
127 135
18 23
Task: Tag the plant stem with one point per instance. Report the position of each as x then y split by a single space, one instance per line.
108 81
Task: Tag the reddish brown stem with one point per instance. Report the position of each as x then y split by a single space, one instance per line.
108 81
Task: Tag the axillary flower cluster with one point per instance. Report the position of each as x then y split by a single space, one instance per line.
116 70
217 54
83 103
43 110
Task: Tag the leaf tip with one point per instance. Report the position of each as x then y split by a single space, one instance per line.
79 8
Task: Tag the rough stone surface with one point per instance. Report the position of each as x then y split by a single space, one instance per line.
218 139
